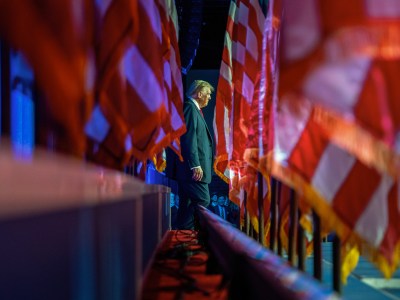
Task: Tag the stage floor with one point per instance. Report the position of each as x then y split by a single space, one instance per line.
365 283
179 271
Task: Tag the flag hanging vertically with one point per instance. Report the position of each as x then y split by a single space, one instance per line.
133 115
172 72
223 105
260 135
238 82
56 39
107 130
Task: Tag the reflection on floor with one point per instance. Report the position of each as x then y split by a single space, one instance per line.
366 282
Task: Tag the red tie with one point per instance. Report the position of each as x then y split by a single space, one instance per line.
201 113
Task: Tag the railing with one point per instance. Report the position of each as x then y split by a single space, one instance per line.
296 248
253 271
73 231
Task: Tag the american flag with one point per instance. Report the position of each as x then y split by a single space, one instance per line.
259 130
135 114
337 119
347 69
56 41
172 72
325 105
239 77
355 200
106 129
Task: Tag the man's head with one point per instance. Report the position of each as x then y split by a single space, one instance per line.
214 199
174 200
200 91
221 200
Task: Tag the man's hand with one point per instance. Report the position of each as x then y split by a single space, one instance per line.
197 174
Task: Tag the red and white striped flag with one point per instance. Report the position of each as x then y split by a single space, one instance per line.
337 119
269 88
355 200
133 114
348 68
223 105
237 86
106 129
56 39
259 129
172 72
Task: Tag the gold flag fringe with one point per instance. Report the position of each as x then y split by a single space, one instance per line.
331 222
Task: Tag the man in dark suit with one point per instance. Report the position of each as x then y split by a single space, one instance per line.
174 210
194 173
221 209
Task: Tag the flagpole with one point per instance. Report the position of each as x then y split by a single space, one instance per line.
301 246
261 218
278 204
293 225
337 285
317 246
246 214
273 214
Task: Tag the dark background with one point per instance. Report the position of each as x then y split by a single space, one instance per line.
202 25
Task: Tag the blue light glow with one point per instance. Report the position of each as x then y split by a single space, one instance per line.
22 123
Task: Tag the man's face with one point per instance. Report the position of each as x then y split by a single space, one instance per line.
221 200
203 97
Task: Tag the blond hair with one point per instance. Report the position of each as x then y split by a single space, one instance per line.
197 86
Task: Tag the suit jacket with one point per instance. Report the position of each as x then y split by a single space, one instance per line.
196 145
216 210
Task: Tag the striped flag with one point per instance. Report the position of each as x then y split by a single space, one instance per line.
269 88
172 72
56 39
133 115
223 105
119 26
107 131
355 200
172 81
260 113
348 68
237 87
336 120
